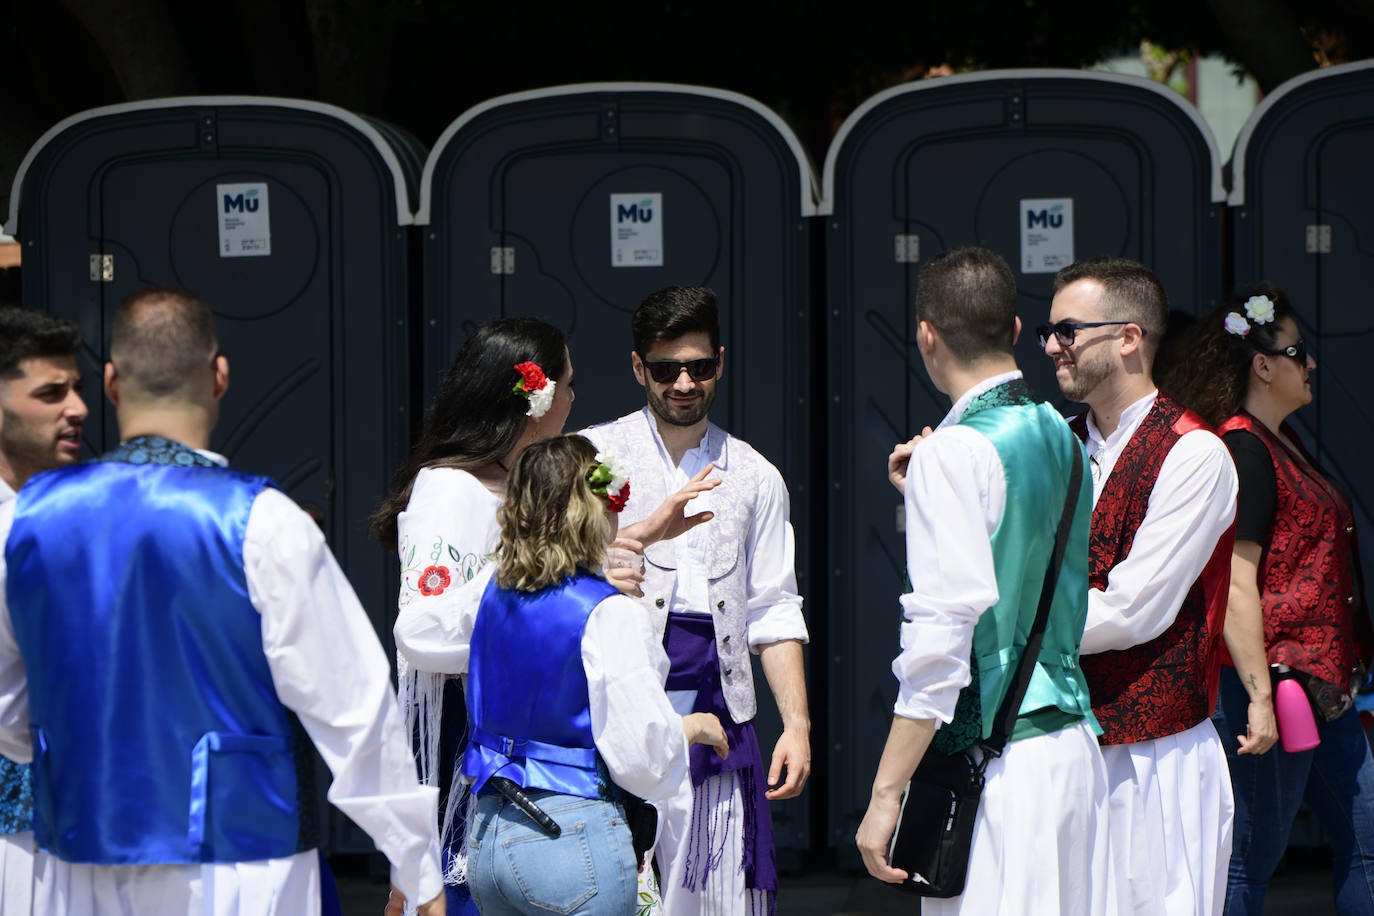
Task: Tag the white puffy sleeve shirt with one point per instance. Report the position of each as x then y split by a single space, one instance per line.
311 619
636 731
955 494
1192 505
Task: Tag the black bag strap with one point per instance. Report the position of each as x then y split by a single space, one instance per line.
1011 703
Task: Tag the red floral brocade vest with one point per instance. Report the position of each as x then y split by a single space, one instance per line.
1313 612
1169 684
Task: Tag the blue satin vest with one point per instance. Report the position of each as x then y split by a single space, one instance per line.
527 689
158 735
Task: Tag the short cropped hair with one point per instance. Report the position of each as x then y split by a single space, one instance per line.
1130 292
551 521
672 312
161 339
969 295
26 334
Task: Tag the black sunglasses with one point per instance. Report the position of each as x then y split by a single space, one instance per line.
1066 331
1298 351
667 370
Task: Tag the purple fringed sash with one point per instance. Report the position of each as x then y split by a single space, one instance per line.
690 641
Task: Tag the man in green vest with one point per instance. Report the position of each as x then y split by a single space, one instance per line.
984 495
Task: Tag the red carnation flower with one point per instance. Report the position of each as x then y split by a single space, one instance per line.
434 580
618 501
532 378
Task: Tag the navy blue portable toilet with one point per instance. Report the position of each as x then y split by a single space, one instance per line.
573 203
1043 166
290 219
1302 217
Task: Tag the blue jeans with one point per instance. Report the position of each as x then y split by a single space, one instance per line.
514 867
1337 780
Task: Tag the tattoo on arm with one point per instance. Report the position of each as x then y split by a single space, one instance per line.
1254 685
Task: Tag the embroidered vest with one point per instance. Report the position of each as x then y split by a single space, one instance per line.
742 471
1169 684
1037 451
527 690
158 736
1313 619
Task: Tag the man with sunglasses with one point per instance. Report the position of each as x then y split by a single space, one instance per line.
717 593
1164 504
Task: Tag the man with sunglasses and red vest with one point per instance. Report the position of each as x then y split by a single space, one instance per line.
717 593
1164 504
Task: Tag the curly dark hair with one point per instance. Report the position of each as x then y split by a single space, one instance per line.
1212 370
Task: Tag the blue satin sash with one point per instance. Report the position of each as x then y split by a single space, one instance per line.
158 734
527 689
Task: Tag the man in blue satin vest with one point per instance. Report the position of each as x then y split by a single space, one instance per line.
181 627
984 495
41 412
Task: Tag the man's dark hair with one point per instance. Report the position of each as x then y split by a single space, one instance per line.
969 295
670 313
25 334
162 338
1130 292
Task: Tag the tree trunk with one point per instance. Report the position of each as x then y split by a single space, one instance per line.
1266 38
139 42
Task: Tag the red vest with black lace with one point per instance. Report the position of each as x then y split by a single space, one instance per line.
1167 685
1307 570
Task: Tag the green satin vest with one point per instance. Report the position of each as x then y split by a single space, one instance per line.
1036 448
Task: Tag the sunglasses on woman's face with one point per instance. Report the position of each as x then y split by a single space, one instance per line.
1297 350
667 370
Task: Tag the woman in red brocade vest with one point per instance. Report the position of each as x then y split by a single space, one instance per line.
1296 562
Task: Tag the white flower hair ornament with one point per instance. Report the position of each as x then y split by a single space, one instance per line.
610 480
535 387
1260 309
1236 324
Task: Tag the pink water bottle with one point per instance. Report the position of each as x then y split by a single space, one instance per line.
1297 725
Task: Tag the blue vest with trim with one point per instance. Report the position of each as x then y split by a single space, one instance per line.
527 689
158 734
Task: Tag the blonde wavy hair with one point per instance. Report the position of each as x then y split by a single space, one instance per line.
551 522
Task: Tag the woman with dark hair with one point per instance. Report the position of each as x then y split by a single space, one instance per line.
1295 567
510 385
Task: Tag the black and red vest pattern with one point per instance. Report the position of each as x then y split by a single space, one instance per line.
1313 609
1169 684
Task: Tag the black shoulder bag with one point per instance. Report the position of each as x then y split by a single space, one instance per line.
935 827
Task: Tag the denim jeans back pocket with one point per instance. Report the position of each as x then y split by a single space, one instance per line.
553 874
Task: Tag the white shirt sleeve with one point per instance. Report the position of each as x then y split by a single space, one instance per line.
955 495
447 535
1191 506
15 742
438 630
329 669
773 605
636 730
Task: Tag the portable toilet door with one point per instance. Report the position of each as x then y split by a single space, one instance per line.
1302 217
572 203
290 219
1043 166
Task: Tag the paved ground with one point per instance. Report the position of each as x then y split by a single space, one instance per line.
1301 889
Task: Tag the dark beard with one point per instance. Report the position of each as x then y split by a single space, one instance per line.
679 416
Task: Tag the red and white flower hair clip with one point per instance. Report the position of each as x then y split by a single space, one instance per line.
535 387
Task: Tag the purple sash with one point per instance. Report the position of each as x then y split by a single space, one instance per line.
690 641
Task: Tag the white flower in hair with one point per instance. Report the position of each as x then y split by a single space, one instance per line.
1260 309
1236 324
620 474
541 400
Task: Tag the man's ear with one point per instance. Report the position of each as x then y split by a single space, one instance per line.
221 376
720 363
111 383
1016 331
1132 338
640 372
926 335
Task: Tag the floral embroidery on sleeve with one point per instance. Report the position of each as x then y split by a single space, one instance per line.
430 576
